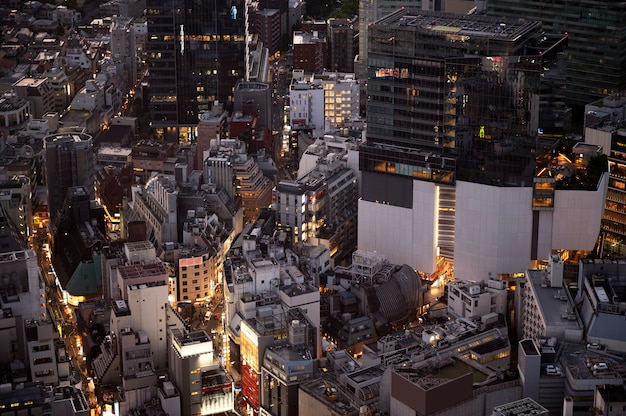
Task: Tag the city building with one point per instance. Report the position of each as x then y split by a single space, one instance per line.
154 204
229 166
266 23
372 10
257 94
323 102
204 386
258 337
447 145
211 128
471 300
594 66
604 126
60 86
603 304
22 298
340 45
151 156
16 201
523 407
310 50
38 92
69 162
321 206
14 113
123 47
79 235
195 57
545 309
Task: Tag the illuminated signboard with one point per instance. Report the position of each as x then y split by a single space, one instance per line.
191 261
392 72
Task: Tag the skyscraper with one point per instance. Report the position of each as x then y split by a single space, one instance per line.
450 166
372 10
197 52
596 55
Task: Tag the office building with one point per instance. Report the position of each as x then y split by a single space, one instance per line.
605 126
452 165
196 55
14 113
321 206
544 308
38 92
69 162
266 23
373 10
322 103
471 300
596 57
310 51
204 386
340 45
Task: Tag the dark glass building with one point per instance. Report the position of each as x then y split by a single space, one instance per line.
454 95
196 56
596 55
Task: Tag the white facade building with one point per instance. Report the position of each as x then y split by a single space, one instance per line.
473 300
492 227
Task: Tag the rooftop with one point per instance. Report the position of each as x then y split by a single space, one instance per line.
460 24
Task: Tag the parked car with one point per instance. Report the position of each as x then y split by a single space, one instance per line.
601 367
552 370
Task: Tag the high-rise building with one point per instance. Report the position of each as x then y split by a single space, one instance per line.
69 163
373 10
196 55
453 151
605 126
596 55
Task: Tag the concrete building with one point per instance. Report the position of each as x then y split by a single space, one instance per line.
604 126
16 201
155 203
309 51
14 113
60 86
340 45
320 207
523 407
123 48
211 128
430 186
204 386
325 111
259 95
603 305
471 300
229 166
266 23
258 335
38 92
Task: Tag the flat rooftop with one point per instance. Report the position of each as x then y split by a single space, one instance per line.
460 24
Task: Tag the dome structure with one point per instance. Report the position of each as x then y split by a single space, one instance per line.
401 294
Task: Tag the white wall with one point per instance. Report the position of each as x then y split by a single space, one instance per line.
577 223
493 230
402 235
